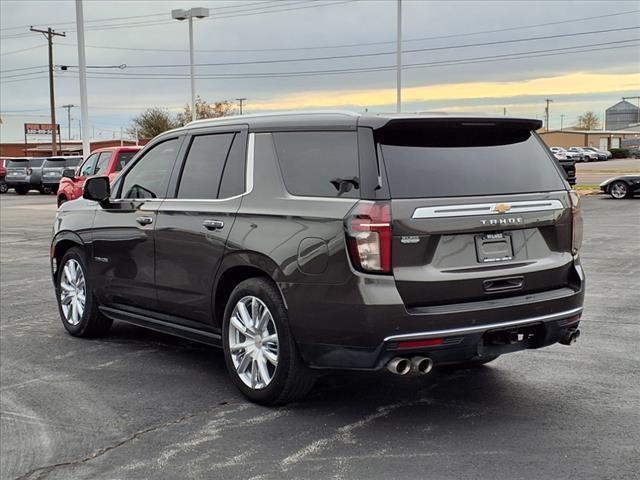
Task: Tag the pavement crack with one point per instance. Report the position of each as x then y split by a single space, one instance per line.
40 473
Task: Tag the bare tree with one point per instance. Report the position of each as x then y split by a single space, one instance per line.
151 122
205 110
588 121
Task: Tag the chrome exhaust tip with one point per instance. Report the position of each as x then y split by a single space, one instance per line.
570 337
399 366
421 365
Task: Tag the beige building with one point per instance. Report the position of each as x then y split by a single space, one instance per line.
602 139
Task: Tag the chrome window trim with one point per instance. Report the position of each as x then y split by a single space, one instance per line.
526 206
248 182
482 328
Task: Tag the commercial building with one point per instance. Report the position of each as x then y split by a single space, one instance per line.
21 149
603 139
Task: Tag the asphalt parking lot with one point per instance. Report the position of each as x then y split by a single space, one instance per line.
594 173
137 404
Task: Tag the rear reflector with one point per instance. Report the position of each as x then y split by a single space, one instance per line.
431 342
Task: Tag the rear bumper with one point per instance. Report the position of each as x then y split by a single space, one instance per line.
363 331
12 182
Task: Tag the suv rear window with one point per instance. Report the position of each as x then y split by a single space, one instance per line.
311 162
36 162
464 161
17 163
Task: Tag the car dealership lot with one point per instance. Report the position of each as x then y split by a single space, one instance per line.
137 404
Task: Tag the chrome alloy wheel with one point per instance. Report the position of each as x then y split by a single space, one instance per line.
253 342
619 190
73 295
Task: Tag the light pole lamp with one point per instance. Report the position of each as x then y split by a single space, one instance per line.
181 14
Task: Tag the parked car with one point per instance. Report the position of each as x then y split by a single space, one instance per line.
567 164
305 242
104 161
585 155
634 152
52 170
18 176
4 188
602 154
570 155
625 186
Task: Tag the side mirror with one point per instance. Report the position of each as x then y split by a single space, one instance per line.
69 173
97 189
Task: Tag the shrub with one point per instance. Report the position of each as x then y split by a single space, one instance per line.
619 152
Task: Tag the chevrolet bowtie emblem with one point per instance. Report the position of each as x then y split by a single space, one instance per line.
502 208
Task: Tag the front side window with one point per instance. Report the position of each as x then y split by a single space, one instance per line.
204 165
149 177
320 164
87 167
102 165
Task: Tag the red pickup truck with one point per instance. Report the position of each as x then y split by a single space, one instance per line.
104 161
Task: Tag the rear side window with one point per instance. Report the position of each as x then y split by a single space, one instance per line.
233 177
123 159
53 163
203 168
462 161
319 164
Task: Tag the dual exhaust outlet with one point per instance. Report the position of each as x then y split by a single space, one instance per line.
415 365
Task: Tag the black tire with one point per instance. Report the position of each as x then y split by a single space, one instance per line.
61 199
20 190
291 379
46 190
3 187
92 323
619 190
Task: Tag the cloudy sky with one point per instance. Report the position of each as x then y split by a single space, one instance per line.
476 56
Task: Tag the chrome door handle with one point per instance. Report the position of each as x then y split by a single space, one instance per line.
213 224
144 220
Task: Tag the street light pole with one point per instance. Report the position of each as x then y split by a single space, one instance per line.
82 63
180 14
546 114
399 58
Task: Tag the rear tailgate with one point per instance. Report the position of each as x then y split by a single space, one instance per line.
17 169
480 211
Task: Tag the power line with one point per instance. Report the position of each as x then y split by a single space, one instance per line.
217 17
351 45
163 14
464 61
376 54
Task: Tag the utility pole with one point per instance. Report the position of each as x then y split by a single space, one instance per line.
82 63
241 100
68 107
399 59
546 114
561 122
49 33
504 111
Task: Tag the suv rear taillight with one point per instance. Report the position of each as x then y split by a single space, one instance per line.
576 222
368 227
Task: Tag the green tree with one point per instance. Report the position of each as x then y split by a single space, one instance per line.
151 122
205 110
588 121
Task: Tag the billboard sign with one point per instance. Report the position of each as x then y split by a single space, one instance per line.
40 128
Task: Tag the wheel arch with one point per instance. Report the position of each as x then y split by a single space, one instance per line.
237 267
61 243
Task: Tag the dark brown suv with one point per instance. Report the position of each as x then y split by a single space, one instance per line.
299 242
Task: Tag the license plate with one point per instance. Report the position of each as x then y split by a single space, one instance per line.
494 247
